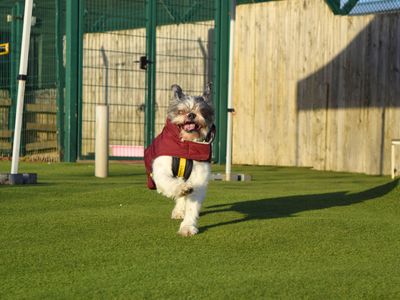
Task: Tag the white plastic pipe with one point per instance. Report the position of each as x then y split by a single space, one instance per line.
105 74
101 141
23 68
228 168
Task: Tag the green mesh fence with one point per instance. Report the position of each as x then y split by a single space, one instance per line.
184 50
114 39
5 88
360 7
43 87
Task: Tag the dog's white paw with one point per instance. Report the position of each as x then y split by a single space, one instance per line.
188 230
186 189
178 214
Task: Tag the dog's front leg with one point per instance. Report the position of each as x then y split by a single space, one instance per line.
193 204
166 183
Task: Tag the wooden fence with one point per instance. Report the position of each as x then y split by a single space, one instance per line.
315 90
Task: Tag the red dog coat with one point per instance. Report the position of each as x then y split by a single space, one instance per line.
169 143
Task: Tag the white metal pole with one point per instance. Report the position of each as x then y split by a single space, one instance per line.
230 91
23 67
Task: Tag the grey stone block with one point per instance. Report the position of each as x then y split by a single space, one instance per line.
26 178
29 178
16 179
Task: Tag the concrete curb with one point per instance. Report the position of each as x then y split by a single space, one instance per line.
234 177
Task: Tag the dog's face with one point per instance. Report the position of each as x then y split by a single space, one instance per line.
194 115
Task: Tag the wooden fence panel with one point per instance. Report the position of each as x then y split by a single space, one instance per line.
314 89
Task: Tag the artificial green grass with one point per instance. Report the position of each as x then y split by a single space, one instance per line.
290 233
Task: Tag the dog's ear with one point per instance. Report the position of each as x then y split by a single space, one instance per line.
207 92
178 93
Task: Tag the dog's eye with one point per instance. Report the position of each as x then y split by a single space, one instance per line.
181 112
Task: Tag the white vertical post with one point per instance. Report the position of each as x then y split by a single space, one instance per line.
102 131
23 67
230 91
101 141
393 164
105 74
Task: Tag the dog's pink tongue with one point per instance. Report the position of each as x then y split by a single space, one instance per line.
189 127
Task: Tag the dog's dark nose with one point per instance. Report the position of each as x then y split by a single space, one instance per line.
191 116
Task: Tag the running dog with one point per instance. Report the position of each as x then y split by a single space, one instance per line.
178 160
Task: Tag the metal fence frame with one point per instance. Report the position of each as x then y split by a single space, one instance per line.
70 143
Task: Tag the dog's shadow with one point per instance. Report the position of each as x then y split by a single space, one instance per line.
288 206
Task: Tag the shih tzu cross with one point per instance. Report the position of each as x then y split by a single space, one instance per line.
178 160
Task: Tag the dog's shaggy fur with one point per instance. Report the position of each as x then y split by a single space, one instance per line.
194 115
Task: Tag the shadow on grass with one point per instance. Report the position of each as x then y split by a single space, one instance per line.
28 185
287 206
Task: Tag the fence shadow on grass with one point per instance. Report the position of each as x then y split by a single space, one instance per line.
288 206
